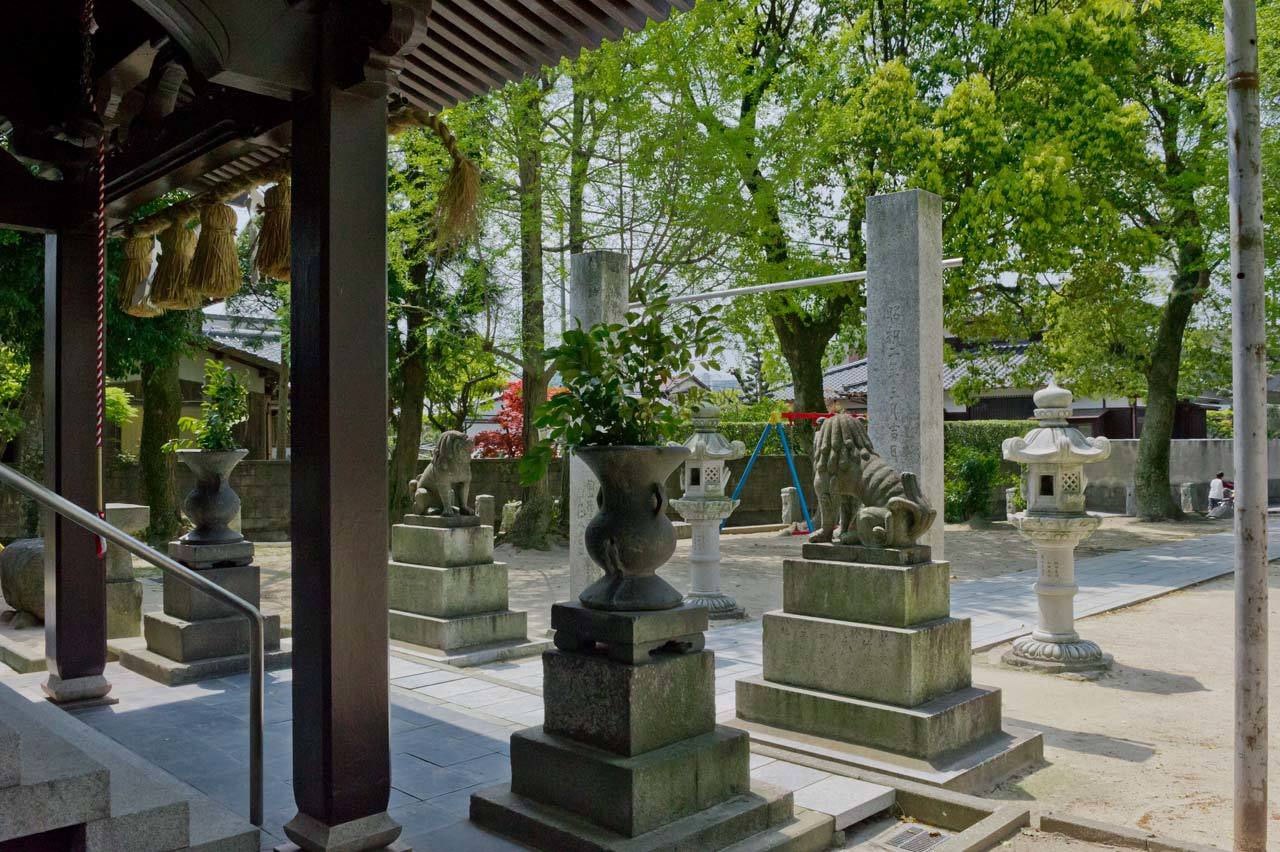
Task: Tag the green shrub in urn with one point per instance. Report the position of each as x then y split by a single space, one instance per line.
614 415
212 453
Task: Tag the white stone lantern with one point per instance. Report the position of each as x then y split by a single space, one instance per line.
1055 522
704 479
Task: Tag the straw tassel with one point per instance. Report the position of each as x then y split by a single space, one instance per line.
272 258
215 268
170 288
132 293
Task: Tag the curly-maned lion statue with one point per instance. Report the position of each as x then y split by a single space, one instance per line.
874 504
447 479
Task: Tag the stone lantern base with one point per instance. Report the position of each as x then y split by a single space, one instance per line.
1079 655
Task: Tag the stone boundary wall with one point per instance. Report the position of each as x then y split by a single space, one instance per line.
1192 461
263 487
761 499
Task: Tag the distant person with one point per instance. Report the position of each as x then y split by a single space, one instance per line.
1217 491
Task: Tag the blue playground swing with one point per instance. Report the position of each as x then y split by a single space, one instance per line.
775 423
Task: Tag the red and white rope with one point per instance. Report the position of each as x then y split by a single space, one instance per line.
100 365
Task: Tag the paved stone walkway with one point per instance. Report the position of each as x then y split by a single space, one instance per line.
1002 607
450 728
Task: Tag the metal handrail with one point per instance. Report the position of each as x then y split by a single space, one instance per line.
257 625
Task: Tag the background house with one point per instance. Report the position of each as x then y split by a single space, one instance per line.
1008 395
250 343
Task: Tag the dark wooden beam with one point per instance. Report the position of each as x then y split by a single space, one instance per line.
75 626
27 202
263 47
218 126
341 750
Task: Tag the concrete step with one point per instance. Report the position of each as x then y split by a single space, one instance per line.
807 831
59 786
143 808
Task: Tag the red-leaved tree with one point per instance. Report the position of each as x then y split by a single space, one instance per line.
505 442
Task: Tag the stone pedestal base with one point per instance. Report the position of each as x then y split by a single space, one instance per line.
447 598
124 608
761 817
629 755
78 691
934 730
978 768
865 665
376 832
1080 655
718 605
197 636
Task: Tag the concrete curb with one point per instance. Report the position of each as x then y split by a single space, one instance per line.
1079 828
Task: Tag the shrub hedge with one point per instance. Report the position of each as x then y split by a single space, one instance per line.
973 465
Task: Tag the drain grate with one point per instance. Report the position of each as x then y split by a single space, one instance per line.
916 839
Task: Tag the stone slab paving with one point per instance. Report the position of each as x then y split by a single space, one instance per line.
449 737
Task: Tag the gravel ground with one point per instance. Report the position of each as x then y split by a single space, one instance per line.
1148 745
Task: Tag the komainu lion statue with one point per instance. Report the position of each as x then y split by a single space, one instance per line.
877 506
447 479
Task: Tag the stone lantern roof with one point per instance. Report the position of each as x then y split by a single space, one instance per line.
706 443
1053 441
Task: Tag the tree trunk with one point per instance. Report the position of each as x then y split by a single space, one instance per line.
31 438
532 521
162 406
413 388
804 347
1151 475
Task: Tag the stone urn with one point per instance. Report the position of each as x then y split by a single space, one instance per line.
211 505
630 536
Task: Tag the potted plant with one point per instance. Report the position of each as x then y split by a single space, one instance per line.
613 414
211 454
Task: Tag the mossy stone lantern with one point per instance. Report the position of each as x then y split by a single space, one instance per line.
1055 521
704 479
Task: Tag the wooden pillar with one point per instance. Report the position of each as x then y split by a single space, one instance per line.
74 576
341 750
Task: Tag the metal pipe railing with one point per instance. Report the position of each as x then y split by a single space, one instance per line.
257 626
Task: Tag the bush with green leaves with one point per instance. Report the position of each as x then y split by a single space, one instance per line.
614 376
119 407
973 464
224 404
970 478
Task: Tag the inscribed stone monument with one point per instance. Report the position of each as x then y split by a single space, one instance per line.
904 338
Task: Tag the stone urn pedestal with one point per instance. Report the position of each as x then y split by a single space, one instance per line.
196 637
865 666
629 755
447 598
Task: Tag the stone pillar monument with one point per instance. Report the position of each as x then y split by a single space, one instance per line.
1055 522
447 598
598 292
864 664
904 338
704 479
